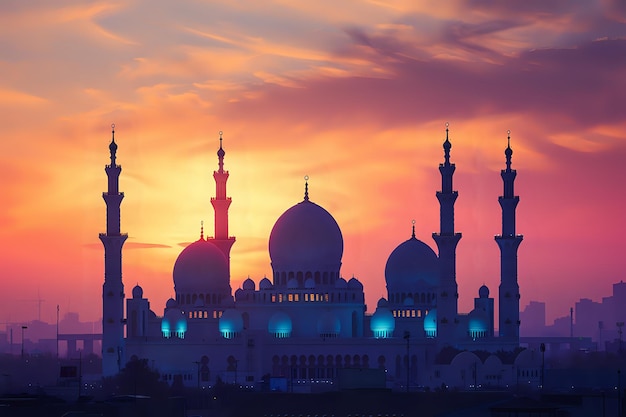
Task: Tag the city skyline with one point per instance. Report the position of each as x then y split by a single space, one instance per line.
354 96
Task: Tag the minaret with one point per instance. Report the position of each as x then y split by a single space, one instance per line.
508 242
113 288
220 205
447 241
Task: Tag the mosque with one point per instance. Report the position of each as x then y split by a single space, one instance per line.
307 325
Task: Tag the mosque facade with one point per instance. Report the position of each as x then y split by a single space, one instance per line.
307 325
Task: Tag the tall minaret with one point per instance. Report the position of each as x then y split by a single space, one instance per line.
508 242
447 241
220 205
113 289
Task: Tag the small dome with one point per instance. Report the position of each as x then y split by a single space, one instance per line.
231 323
382 323
382 302
137 291
201 267
292 284
355 284
430 323
174 323
483 292
412 265
265 284
306 236
171 303
239 294
328 325
249 285
341 284
166 327
477 323
309 284
279 325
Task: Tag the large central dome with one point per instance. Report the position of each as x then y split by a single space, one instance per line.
305 236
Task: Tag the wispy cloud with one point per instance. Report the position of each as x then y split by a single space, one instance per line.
354 94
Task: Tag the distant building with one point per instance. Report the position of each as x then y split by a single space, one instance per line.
601 321
42 337
533 319
306 322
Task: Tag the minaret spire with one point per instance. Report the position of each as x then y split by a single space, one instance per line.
220 156
113 145
413 232
508 152
221 203
446 148
113 287
447 240
306 188
508 242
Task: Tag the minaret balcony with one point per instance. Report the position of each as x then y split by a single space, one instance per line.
105 194
121 235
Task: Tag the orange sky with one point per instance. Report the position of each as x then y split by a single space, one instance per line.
354 94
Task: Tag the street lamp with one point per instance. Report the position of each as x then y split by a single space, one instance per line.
542 347
407 337
619 392
198 374
23 328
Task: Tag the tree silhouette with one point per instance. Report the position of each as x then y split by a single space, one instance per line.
137 378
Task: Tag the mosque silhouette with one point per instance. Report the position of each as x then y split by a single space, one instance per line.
307 328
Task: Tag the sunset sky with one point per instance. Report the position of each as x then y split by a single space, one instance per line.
354 94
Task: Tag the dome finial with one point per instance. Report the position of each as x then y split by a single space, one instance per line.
201 229
413 234
306 188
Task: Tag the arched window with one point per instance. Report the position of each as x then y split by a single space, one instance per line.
205 374
276 366
381 362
